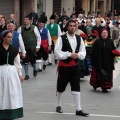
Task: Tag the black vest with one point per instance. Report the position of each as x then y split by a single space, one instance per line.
66 46
7 56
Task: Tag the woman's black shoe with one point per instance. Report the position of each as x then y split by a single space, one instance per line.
104 91
95 88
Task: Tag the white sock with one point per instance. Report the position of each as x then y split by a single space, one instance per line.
77 100
44 62
38 64
49 58
59 97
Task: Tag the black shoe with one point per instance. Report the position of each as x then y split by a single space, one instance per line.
26 77
39 70
81 113
56 61
104 91
59 109
34 73
44 67
49 64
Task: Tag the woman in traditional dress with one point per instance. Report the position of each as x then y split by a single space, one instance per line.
102 62
11 102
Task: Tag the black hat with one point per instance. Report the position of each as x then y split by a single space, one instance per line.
52 16
41 21
83 21
29 17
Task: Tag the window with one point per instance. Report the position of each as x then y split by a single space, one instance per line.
39 7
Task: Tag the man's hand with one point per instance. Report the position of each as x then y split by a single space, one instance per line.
37 49
49 48
74 55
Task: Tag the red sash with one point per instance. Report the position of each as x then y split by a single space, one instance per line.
44 43
71 63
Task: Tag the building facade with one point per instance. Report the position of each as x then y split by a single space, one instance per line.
22 7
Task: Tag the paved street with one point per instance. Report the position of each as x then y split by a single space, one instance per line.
40 98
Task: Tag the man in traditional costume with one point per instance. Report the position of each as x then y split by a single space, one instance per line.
68 49
17 40
30 35
98 26
55 32
45 45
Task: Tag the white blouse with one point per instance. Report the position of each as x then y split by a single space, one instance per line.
18 65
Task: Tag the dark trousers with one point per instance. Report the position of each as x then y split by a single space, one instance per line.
68 74
42 53
30 56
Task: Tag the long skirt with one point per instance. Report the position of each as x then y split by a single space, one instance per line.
11 101
96 81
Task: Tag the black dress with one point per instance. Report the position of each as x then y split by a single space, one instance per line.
102 61
11 102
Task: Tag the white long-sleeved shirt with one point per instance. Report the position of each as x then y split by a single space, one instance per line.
73 43
21 43
18 65
38 38
102 24
49 37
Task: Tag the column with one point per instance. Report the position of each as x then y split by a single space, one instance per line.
17 11
49 8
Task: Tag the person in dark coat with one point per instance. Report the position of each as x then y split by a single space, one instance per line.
43 17
3 25
102 62
98 26
63 26
34 16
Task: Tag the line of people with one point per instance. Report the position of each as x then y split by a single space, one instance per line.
79 49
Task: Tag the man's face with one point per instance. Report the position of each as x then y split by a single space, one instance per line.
27 21
11 16
73 16
11 27
99 15
64 13
71 27
2 21
88 23
52 21
97 22
41 25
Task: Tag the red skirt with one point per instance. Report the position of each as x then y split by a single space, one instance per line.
95 80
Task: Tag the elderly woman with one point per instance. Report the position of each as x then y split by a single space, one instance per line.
102 62
11 104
